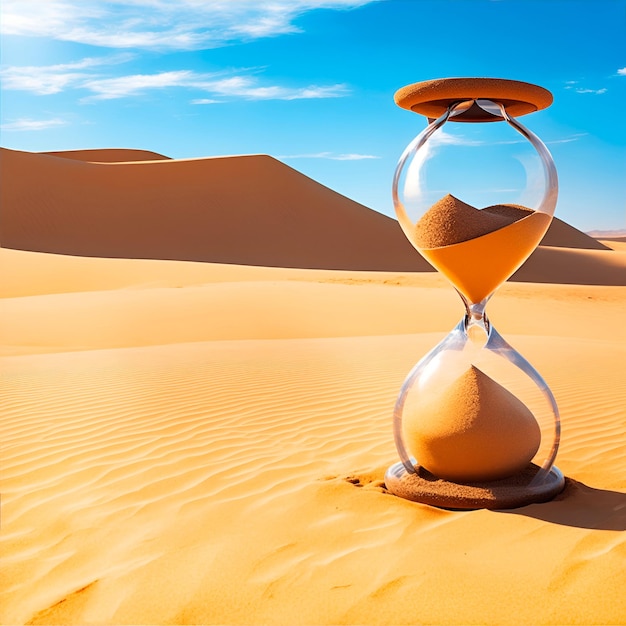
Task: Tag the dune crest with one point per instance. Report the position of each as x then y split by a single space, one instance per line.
109 155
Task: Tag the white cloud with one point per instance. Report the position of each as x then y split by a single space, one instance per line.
239 86
575 137
331 156
353 157
159 24
132 85
37 81
443 138
28 124
622 71
597 92
247 87
52 79
571 84
44 18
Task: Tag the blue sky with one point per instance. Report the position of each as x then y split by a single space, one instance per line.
311 82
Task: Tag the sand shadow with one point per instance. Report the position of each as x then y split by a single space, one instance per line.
578 505
581 506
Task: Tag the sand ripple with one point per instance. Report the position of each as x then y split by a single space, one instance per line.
231 470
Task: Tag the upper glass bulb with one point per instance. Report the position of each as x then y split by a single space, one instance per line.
475 199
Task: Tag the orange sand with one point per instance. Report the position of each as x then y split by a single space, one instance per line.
475 249
478 266
201 443
471 430
451 221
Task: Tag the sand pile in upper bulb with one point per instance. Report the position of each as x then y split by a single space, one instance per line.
475 429
451 221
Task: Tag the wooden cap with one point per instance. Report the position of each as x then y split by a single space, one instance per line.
433 97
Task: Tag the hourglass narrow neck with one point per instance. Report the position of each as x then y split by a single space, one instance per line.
475 317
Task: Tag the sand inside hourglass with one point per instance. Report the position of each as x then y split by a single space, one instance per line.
472 430
477 250
475 429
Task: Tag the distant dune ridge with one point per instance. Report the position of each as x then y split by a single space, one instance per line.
251 210
244 209
109 155
205 442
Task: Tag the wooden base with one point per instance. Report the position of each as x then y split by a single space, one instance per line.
508 493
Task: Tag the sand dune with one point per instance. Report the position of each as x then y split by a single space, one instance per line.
108 155
618 234
562 235
245 210
141 303
574 266
205 443
250 210
618 243
227 482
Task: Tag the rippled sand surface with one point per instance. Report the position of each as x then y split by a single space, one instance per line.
203 443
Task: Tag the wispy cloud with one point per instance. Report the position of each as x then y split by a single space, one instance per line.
597 92
159 24
23 124
571 84
574 137
219 86
443 138
135 84
248 87
51 79
245 87
621 71
330 155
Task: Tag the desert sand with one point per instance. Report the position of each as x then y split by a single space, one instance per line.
198 378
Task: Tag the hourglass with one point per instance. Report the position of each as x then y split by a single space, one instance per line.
475 425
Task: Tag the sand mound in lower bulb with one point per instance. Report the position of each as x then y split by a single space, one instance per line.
472 430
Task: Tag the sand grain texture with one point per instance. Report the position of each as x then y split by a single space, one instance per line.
472 430
202 443
450 221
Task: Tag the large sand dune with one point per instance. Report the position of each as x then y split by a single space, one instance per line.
245 210
251 210
205 443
